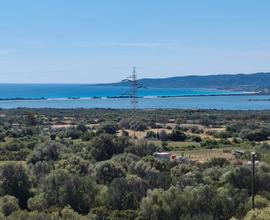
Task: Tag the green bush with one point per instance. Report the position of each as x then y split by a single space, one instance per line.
8 204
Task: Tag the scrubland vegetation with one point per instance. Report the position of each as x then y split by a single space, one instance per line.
85 164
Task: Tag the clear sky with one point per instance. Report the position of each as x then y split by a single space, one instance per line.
88 41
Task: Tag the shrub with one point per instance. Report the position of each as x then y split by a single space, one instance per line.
8 204
106 171
177 135
255 135
15 182
110 128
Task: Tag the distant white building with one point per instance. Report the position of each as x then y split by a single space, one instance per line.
163 155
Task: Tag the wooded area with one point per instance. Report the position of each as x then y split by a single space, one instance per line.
85 164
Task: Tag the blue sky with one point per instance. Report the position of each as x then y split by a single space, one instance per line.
88 41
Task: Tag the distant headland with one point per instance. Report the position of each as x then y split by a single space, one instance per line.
255 82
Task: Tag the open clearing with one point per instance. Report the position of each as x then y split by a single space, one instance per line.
203 155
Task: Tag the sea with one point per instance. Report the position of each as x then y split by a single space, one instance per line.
99 96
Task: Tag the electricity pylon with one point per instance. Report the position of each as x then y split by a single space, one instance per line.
133 94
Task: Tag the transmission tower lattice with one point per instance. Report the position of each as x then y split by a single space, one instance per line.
133 94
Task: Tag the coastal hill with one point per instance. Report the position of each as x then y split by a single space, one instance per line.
255 81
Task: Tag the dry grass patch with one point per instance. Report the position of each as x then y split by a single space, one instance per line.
204 155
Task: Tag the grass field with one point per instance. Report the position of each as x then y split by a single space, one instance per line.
203 155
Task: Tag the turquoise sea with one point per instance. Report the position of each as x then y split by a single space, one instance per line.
52 91
88 96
